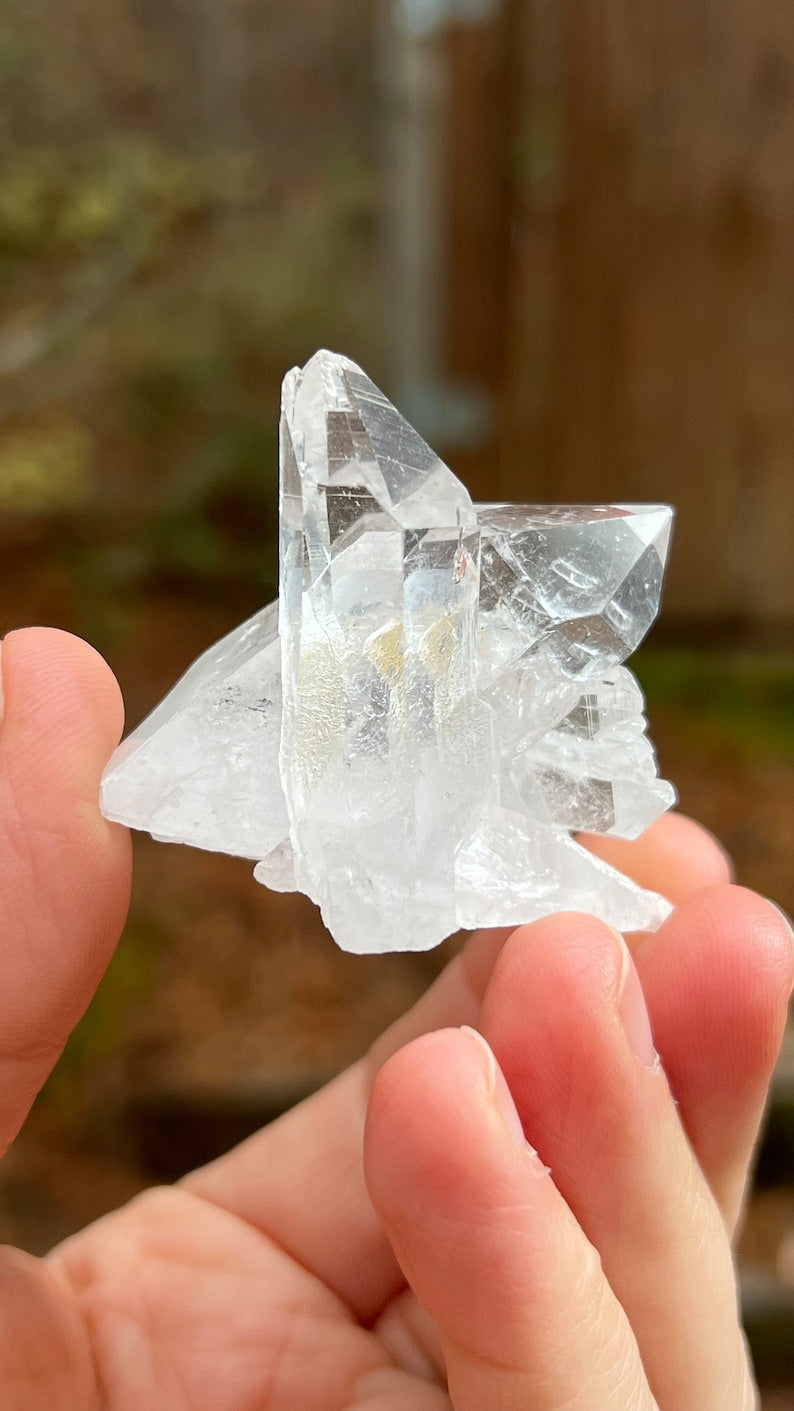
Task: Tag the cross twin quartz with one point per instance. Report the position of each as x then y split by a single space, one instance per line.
415 733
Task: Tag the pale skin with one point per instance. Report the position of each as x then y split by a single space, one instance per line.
394 1244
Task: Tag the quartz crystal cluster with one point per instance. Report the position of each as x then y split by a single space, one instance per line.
437 705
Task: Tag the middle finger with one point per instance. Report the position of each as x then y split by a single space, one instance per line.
565 1016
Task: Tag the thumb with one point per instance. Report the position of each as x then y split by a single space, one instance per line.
488 1244
64 872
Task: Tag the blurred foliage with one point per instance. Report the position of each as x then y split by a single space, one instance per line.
176 366
175 231
67 67
46 468
742 701
122 191
53 202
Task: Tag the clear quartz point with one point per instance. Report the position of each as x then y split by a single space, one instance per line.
438 702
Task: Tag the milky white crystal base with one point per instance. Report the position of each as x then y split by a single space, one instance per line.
437 705
203 767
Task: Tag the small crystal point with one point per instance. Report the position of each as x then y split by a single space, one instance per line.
581 583
513 871
437 703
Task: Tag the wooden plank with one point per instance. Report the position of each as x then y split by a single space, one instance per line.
652 347
482 121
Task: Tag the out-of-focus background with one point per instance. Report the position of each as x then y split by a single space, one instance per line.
560 233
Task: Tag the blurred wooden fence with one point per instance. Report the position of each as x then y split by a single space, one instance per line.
620 241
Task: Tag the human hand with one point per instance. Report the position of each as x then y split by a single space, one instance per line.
276 1277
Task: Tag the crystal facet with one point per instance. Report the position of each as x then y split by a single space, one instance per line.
438 705
203 767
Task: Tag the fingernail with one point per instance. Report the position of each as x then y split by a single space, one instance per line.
2 697
633 1009
500 1093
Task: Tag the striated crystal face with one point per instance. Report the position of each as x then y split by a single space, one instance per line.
582 583
442 704
385 743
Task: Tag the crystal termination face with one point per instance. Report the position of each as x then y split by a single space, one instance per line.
414 734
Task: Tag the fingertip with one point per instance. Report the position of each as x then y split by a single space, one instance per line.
442 1133
740 931
58 687
413 1095
51 655
675 856
717 977
755 944
580 949
780 934
479 1228
725 958
63 716
701 858
555 1017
